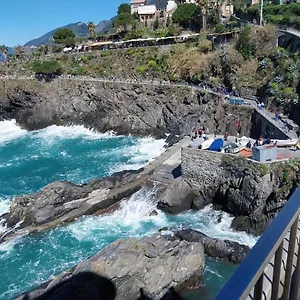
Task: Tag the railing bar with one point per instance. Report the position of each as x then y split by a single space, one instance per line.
296 279
276 273
241 283
258 288
289 264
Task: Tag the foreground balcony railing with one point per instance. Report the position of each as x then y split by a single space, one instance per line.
272 268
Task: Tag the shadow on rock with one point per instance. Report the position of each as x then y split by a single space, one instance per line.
83 286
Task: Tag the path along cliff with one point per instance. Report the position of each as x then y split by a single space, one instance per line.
126 108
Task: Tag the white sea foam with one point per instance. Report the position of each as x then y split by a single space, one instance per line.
128 220
142 152
71 132
217 224
133 215
9 130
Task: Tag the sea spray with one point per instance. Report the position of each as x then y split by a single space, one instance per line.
30 160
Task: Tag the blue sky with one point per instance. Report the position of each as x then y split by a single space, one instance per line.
23 20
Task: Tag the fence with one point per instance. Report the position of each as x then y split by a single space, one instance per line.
272 268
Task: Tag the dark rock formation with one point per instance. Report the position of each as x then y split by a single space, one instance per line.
124 108
59 199
152 265
177 197
251 191
214 247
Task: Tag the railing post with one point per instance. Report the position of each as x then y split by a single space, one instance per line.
296 279
276 274
289 264
259 287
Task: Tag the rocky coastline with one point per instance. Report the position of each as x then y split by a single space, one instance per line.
155 267
124 108
251 193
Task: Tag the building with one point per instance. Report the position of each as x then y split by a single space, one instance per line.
226 9
135 4
264 153
147 12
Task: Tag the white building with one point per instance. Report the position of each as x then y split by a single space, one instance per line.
147 12
135 4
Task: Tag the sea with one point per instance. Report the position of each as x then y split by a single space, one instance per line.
31 160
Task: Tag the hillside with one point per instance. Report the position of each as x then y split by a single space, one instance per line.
105 26
80 29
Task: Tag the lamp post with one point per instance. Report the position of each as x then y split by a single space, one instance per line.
261 12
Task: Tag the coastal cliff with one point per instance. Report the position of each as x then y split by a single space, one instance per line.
251 191
125 108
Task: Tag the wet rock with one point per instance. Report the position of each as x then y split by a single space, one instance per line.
153 213
214 247
153 264
60 199
177 197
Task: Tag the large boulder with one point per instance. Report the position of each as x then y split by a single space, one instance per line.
214 247
152 265
53 201
64 201
177 197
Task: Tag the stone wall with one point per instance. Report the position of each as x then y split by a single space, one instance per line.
262 127
251 191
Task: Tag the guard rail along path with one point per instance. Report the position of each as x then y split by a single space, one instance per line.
272 268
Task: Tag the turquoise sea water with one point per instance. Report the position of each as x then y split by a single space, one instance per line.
30 160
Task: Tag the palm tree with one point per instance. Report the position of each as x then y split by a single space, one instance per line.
91 27
203 4
4 50
19 51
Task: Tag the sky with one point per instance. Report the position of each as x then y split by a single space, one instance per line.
24 20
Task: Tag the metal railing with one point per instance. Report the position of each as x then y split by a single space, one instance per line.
272 268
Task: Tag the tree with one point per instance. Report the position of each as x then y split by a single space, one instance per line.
156 24
186 15
124 20
168 21
124 8
64 36
91 27
4 50
19 51
203 4
243 43
48 67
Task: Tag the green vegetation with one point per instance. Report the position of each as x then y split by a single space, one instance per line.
287 14
49 67
243 44
64 36
124 8
187 15
91 27
124 18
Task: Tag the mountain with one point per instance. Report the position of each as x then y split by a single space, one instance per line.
80 29
105 26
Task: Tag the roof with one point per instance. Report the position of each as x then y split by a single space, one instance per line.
160 4
100 44
137 1
147 10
